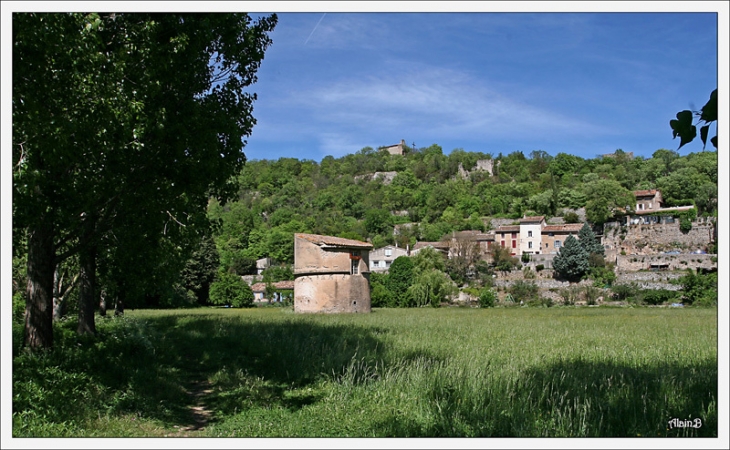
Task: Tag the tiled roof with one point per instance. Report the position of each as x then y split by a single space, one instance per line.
532 219
563 228
331 241
645 193
507 229
261 287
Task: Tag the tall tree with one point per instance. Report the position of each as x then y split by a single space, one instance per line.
121 117
572 261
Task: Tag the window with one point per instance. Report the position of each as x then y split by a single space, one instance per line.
551 234
354 266
557 244
529 245
514 243
388 252
529 234
503 243
514 235
375 263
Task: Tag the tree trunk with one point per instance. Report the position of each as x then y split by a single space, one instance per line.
59 305
102 303
39 306
118 307
87 290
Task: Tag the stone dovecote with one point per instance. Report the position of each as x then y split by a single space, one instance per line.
331 274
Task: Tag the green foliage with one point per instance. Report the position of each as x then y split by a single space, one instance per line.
431 287
591 294
687 131
18 310
230 290
200 269
380 296
281 272
588 241
624 291
523 291
400 278
427 259
699 289
487 298
571 217
570 295
571 263
657 296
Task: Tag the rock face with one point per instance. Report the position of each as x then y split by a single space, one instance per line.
331 275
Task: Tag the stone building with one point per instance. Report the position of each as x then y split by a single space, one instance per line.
331 274
531 234
554 236
648 200
397 149
382 258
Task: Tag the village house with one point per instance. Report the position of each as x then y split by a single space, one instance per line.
331 274
649 209
508 237
259 291
531 234
554 236
382 258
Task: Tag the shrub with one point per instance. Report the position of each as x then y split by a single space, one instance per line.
539 268
624 291
570 295
657 296
591 294
523 291
544 302
487 298
231 290
528 274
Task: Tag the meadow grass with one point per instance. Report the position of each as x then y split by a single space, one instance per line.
528 372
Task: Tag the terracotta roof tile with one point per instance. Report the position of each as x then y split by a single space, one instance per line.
563 228
261 287
530 219
508 229
645 192
331 241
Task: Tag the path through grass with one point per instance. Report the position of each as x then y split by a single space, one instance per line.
409 372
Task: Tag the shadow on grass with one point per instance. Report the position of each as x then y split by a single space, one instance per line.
576 399
148 367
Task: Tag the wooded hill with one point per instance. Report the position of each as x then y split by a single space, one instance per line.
347 197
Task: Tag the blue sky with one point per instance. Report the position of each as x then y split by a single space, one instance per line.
581 83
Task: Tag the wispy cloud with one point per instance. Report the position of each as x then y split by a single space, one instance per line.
428 101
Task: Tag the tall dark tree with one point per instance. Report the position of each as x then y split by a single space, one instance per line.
571 263
589 242
118 117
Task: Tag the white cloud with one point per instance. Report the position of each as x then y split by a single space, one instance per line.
427 100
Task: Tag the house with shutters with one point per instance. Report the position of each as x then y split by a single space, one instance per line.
531 235
382 258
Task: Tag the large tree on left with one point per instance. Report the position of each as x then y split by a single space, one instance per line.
123 122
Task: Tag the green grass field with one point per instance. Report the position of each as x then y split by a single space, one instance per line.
266 372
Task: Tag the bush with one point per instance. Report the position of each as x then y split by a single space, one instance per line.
624 291
544 302
487 298
523 291
570 295
657 296
591 294
231 290
539 268
699 289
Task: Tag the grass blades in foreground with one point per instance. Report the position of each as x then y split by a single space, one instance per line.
268 372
